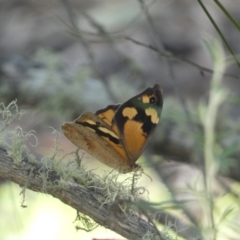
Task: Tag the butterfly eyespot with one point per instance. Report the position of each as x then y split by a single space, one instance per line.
152 100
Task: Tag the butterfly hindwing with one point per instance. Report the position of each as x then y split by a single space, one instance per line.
107 115
96 137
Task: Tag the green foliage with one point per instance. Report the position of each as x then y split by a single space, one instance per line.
212 137
52 88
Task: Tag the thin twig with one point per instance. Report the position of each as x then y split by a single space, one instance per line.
171 56
87 48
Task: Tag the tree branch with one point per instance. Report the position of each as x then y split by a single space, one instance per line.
84 200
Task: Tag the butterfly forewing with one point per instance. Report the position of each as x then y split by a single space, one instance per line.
136 120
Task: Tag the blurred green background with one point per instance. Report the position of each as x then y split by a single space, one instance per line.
60 58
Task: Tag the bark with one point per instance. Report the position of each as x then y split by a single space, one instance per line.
84 200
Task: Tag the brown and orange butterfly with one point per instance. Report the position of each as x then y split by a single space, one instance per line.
118 134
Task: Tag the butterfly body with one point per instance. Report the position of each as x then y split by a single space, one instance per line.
117 134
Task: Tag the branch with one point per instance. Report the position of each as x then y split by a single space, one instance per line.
171 56
84 200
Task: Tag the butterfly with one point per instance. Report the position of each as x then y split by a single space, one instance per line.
117 135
